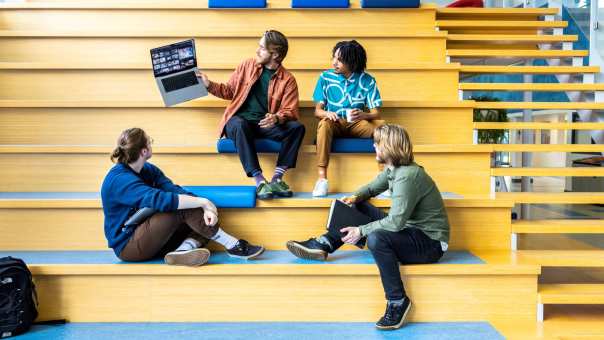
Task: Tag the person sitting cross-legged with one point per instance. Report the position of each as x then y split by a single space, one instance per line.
414 231
182 224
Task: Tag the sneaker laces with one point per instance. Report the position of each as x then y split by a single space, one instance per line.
390 311
242 246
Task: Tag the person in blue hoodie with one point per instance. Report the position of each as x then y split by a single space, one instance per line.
183 223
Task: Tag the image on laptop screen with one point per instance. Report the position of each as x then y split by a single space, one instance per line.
173 58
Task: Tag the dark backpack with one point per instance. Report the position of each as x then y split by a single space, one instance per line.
18 298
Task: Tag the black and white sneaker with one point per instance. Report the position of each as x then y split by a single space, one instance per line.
192 258
395 315
244 250
310 249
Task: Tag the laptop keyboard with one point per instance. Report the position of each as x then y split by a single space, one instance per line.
180 81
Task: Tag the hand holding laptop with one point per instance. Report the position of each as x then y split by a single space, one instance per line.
203 77
349 200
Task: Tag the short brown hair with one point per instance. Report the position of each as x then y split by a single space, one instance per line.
395 144
129 145
278 42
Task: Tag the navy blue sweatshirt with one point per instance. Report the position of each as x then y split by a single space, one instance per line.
124 192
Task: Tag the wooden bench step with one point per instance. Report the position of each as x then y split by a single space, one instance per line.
545 172
481 53
496 24
571 294
545 87
553 197
537 126
558 226
548 147
476 12
540 105
209 102
529 69
500 38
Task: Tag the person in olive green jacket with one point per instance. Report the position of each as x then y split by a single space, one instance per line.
415 230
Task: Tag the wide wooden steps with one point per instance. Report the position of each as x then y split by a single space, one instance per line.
505 38
83 287
577 171
553 197
74 220
558 226
477 12
547 147
505 53
100 83
217 22
571 294
220 65
306 52
545 87
499 24
528 69
540 105
160 4
547 258
536 126
207 102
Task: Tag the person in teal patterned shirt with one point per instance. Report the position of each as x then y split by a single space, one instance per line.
347 101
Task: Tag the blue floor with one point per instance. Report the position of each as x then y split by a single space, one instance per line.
264 330
269 257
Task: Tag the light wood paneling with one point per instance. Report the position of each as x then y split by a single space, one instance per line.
291 298
556 226
529 69
460 173
120 85
218 22
198 126
571 294
219 52
82 229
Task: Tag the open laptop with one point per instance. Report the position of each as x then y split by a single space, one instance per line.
174 68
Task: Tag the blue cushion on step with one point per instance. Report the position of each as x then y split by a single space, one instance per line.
320 3
227 196
390 3
352 145
225 145
339 145
237 4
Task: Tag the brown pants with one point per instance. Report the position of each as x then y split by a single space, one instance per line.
164 232
328 129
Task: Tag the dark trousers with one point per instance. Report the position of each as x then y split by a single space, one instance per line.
408 246
164 232
243 133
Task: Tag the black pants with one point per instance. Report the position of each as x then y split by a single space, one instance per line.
408 246
243 133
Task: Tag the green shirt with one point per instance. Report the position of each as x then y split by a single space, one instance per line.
255 106
416 202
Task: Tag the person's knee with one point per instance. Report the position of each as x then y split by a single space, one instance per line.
297 128
326 124
237 123
376 240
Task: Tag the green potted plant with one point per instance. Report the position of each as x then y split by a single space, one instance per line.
490 115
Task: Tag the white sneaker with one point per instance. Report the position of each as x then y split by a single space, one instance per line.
321 188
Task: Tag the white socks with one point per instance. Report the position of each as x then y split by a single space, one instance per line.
225 239
188 244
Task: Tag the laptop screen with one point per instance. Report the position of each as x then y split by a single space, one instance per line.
173 58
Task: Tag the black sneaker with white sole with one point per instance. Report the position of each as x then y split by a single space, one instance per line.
244 250
310 249
395 315
192 258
